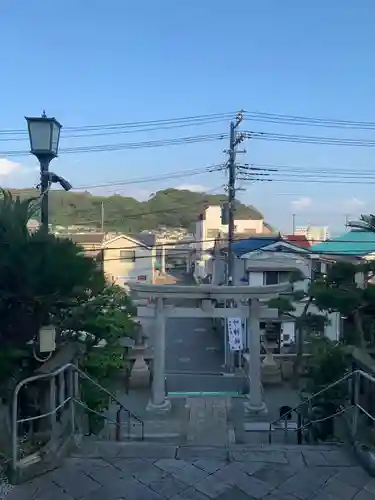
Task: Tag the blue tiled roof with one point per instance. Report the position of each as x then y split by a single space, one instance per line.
352 243
252 244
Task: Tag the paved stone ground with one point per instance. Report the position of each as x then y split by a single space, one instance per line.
208 421
120 471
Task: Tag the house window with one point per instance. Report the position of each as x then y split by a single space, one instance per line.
127 255
271 278
275 277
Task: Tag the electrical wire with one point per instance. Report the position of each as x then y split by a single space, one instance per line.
287 171
162 176
306 139
255 135
121 131
285 119
137 124
277 118
308 168
130 145
185 244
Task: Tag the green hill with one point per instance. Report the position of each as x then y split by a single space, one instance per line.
170 208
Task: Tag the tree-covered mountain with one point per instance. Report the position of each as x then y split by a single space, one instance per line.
170 208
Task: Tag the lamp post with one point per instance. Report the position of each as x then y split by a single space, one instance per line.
44 135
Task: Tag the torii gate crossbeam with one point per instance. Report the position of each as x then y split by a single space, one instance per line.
254 311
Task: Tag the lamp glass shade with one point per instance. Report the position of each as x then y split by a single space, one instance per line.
56 127
44 135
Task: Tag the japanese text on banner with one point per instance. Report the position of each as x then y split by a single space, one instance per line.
235 334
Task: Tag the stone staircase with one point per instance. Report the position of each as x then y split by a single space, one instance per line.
212 456
100 470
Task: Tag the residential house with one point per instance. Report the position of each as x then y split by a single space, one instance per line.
269 260
298 239
123 258
126 259
90 242
210 226
354 246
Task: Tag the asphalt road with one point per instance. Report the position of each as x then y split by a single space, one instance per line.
195 354
195 358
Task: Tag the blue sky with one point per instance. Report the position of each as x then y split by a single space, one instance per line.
118 61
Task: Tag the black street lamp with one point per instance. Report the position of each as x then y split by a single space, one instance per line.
44 135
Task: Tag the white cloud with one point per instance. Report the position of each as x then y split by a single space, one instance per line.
198 188
302 203
354 204
8 167
140 194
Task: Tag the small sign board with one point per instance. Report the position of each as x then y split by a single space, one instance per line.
235 334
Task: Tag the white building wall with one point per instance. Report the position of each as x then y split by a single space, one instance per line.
206 230
256 278
314 233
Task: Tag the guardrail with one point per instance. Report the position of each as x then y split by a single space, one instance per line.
355 378
63 399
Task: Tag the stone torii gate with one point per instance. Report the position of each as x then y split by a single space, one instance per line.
252 300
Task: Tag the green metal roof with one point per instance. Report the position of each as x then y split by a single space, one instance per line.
352 243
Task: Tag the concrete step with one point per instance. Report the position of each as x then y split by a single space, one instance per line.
146 449
145 470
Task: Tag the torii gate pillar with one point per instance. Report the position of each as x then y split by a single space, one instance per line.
206 293
158 402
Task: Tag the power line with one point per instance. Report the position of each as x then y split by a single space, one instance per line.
287 171
255 135
175 245
120 131
172 245
285 119
129 145
166 175
135 124
309 168
306 139
277 118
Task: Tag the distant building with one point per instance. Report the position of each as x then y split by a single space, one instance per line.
355 244
299 240
123 258
209 227
314 234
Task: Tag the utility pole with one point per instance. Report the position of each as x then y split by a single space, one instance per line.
233 143
234 140
294 223
102 216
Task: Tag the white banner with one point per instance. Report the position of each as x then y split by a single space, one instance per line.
235 334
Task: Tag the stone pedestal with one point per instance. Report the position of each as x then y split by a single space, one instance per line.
271 373
140 374
255 411
163 407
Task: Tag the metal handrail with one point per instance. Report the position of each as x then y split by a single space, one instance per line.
51 375
348 376
116 422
